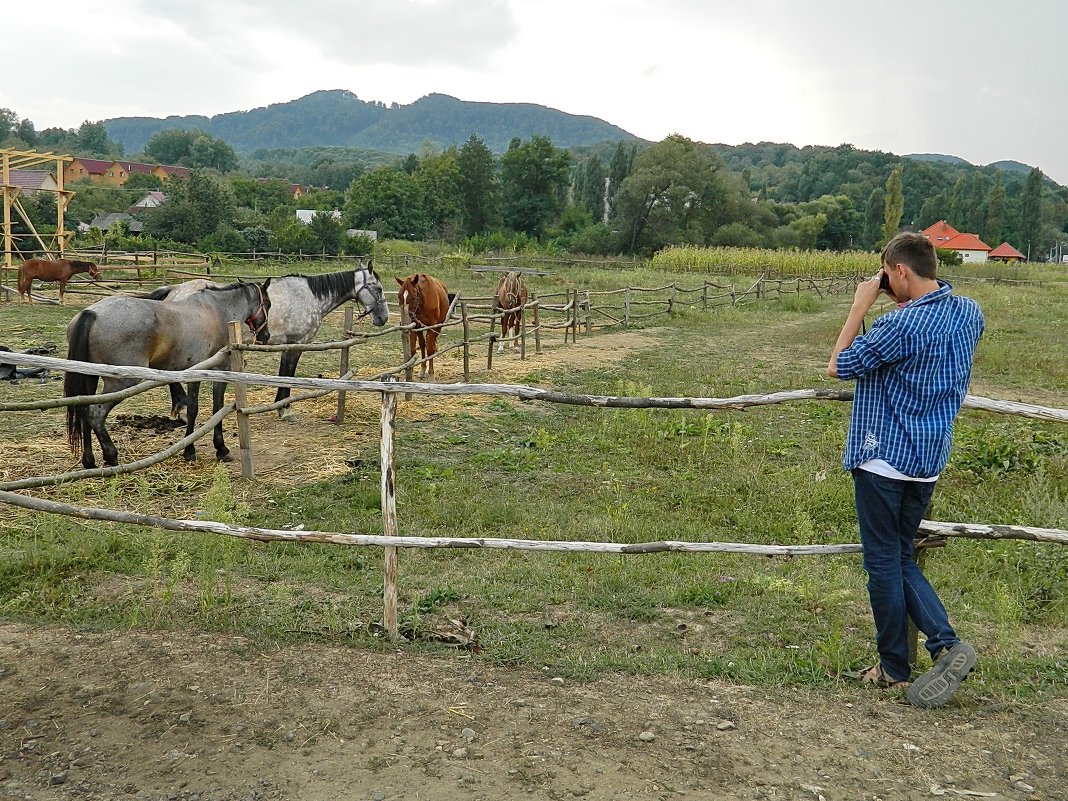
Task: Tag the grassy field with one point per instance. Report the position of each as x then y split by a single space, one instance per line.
504 468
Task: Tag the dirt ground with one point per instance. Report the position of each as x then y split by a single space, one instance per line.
203 717
214 718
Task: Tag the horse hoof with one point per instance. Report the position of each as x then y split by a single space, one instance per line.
289 417
225 457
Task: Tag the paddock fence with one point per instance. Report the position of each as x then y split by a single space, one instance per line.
931 533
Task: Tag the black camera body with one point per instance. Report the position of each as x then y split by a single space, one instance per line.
884 283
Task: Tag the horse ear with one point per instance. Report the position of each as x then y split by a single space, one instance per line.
415 278
398 280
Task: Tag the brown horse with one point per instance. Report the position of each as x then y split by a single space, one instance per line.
511 298
52 270
427 301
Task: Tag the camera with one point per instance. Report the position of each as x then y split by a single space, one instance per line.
884 283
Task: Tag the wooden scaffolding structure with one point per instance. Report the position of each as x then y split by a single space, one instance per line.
11 159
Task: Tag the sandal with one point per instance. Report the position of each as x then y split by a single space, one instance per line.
879 678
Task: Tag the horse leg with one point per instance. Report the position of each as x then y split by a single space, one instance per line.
218 395
62 289
431 349
179 402
191 411
517 326
95 416
504 333
287 367
426 367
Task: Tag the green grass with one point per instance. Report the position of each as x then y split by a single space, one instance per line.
537 471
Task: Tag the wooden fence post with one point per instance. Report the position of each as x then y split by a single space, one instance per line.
406 345
467 341
704 295
389 511
587 310
626 307
489 351
671 297
244 437
537 324
344 368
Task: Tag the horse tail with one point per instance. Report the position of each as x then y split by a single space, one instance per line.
156 294
75 384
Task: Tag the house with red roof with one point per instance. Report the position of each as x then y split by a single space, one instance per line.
940 233
1006 253
971 248
116 173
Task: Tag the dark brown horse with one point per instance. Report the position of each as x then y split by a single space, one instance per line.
427 301
52 270
511 298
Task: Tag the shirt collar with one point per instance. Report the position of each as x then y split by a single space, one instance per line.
944 288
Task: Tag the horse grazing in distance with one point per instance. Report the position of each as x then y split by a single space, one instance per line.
59 270
298 305
427 301
509 303
123 330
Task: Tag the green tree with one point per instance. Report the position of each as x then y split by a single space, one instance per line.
1031 221
93 141
893 205
619 168
439 181
389 201
193 209
994 220
194 149
479 189
590 188
873 218
327 232
535 176
677 193
262 195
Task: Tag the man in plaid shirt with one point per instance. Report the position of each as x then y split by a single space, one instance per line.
911 371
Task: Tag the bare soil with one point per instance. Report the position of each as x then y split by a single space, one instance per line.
203 717
207 717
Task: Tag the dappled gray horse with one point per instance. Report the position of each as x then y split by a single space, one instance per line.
137 331
298 305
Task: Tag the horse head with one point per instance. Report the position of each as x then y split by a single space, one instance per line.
94 270
257 321
371 295
408 295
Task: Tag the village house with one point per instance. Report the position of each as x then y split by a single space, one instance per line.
116 173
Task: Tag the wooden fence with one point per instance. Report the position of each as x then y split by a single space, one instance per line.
576 311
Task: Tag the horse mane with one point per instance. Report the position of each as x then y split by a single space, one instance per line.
331 286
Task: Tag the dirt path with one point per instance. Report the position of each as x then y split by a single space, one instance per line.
213 718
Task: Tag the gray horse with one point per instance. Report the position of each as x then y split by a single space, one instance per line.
298 305
124 330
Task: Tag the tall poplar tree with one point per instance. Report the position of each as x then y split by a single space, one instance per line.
893 205
1031 211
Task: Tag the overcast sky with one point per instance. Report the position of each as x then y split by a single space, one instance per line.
983 80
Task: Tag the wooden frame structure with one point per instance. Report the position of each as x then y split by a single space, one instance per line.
26 159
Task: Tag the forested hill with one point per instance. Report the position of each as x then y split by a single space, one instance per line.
338 118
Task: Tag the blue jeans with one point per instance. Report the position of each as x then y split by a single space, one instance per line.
889 513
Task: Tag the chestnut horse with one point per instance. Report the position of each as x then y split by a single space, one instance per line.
509 303
427 301
52 270
124 330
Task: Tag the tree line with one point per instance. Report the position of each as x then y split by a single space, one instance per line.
606 199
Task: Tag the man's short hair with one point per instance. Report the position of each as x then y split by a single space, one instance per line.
914 250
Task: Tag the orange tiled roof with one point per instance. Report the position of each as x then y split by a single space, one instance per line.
1005 251
940 232
965 242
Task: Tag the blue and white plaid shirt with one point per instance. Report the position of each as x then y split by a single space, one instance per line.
912 371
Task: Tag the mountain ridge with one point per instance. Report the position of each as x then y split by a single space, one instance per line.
339 118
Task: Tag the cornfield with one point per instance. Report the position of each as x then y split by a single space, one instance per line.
754 261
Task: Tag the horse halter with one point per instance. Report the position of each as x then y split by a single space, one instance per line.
250 321
369 307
